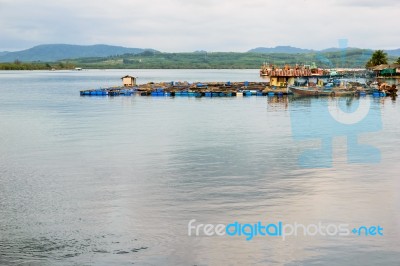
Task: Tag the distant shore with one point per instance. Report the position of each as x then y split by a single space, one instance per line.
17 65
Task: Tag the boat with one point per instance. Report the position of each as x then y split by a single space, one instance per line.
308 91
329 87
316 91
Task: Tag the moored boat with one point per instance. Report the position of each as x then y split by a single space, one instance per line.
315 91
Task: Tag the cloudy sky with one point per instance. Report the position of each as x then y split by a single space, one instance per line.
212 25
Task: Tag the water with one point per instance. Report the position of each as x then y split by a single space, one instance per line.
115 181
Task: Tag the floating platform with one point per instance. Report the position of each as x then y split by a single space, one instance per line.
196 89
186 89
113 91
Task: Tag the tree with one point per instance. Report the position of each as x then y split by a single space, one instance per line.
378 57
398 61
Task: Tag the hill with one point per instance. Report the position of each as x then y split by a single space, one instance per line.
62 56
281 49
395 52
354 58
55 52
295 50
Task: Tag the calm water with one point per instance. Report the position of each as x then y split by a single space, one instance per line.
115 181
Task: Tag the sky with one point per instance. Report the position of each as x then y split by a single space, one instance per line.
210 25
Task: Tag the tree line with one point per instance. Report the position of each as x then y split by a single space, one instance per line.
18 65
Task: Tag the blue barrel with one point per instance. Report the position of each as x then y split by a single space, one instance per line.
197 94
280 94
363 93
247 93
221 94
215 94
184 93
160 93
271 93
375 94
154 93
191 94
177 93
208 94
259 93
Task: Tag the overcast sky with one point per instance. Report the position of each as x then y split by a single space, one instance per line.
189 25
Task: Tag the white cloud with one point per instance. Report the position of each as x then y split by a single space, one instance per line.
187 25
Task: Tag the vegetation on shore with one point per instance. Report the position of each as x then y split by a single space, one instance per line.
377 58
18 65
355 58
351 58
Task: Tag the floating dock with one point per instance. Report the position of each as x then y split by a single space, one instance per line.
196 89
214 89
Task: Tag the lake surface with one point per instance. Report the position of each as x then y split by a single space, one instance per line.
116 180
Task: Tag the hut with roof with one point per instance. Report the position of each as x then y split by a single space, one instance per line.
387 70
128 81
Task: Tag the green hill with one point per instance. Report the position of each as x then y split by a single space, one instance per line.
54 52
354 58
281 49
62 56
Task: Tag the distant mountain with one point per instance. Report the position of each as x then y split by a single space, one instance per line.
395 52
54 52
281 49
295 50
336 49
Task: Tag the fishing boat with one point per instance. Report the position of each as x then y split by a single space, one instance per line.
328 87
315 91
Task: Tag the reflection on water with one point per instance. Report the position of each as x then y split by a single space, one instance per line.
115 181
278 103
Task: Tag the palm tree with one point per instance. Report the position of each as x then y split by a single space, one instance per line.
378 57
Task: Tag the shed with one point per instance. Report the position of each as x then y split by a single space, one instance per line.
128 81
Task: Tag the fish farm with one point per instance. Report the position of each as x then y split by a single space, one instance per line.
283 83
213 89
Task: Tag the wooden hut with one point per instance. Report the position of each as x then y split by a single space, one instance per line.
128 81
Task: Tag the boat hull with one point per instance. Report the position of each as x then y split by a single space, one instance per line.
306 91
